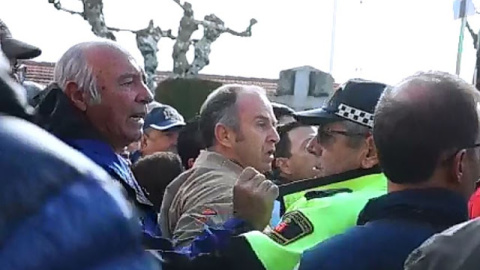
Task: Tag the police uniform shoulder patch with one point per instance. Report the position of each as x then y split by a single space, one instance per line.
294 225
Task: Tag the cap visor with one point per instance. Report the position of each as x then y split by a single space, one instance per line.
316 117
167 125
16 49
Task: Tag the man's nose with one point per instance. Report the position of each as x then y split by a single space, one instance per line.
313 147
144 95
274 137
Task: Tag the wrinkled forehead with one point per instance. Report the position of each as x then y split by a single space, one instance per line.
112 61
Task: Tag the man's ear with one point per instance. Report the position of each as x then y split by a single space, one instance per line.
369 155
459 165
283 165
76 96
143 141
224 135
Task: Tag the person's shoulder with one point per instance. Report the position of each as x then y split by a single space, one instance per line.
20 140
442 251
46 175
334 201
330 254
209 176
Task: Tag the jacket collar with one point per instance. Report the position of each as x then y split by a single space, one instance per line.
57 115
354 180
216 161
307 184
434 205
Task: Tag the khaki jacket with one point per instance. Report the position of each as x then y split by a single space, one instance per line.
200 196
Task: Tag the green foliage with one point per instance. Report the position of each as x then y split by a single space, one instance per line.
185 95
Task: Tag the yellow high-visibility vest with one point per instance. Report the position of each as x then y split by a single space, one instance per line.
313 216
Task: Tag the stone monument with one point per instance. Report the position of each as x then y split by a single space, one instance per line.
147 42
303 88
93 13
147 39
213 28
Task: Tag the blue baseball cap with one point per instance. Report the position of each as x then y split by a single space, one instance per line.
163 117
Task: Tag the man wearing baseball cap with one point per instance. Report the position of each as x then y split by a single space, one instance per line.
160 130
317 209
15 50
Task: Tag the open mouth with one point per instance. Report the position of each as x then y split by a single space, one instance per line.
138 116
271 153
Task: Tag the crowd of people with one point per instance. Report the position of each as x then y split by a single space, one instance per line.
98 175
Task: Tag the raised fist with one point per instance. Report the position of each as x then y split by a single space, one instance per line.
253 197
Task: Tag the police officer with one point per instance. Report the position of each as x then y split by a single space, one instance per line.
319 208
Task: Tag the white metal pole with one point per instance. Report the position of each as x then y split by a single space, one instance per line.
460 46
463 6
334 26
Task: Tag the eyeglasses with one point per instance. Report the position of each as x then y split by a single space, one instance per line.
450 157
325 136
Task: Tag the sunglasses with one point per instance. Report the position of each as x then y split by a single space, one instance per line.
326 136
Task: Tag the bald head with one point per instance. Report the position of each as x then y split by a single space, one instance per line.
422 119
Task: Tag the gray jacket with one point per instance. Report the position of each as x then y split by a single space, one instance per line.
200 196
457 248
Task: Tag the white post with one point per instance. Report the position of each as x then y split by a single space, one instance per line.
463 7
334 26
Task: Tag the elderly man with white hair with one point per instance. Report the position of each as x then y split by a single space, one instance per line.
97 105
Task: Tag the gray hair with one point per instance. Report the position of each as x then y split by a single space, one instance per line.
220 108
74 67
352 127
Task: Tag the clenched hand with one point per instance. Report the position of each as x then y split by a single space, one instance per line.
253 197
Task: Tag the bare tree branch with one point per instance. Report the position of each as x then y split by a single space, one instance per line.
474 36
246 33
58 6
121 30
179 3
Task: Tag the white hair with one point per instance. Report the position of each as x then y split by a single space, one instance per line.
74 67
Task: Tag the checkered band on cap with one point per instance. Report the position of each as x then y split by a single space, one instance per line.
355 115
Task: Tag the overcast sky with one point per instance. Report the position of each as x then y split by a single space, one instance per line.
383 40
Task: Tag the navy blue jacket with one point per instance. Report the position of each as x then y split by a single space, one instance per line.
58 209
389 229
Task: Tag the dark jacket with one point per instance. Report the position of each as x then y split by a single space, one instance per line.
58 209
389 228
